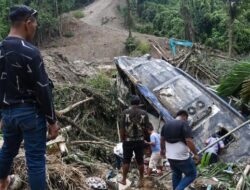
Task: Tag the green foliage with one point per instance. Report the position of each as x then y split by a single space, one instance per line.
3 18
216 170
135 47
237 82
210 20
78 14
130 44
69 34
100 81
48 13
242 33
143 47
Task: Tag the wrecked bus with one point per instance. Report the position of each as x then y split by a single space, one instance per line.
165 89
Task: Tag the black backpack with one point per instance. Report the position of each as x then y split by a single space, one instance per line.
134 125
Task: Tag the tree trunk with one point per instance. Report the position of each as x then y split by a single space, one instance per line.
230 37
232 10
188 23
129 18
58 16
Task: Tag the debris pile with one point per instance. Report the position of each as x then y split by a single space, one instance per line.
59 175
204 64
89 140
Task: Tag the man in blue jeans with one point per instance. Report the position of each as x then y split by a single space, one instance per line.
176 143
25 100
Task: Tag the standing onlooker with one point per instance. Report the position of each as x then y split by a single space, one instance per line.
25 100
176 142
132 129
156 158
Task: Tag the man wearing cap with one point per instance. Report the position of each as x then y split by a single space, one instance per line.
176 143
132 130
25 99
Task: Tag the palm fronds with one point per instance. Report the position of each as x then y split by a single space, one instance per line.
245 92
237 82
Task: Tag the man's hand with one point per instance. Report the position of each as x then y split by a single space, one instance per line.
53 131
196 159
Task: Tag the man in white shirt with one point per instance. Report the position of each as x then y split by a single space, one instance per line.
176 143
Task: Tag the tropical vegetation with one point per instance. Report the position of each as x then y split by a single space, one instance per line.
219 24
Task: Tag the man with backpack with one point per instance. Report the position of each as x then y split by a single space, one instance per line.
132 130
176 143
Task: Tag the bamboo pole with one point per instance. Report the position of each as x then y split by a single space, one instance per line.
246 171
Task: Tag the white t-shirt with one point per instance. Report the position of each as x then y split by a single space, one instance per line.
177 151
215 148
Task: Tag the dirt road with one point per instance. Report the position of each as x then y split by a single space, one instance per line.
104 12
98 37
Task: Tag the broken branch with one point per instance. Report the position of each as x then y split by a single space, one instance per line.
68 120
223 57
185 58
69 108
91 142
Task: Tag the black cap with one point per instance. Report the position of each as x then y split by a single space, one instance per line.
21 12
135 100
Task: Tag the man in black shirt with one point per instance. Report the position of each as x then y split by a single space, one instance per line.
176 143
25 99
132 130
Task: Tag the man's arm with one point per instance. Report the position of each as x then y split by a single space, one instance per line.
221 144
152 141
146 120
187 132
42 88
43 91
163 148
163 143
191 146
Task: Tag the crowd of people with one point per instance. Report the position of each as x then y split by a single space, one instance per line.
175 142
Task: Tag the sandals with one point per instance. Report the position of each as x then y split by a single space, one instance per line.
15 182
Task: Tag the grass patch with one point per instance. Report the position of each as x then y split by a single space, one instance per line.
100 81
143 47
69 34
78 14
137 48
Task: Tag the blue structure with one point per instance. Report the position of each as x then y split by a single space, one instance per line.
173 42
